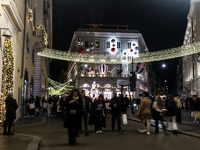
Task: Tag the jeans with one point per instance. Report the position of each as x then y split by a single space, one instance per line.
85 119
174 124
195 119
118 117
98 120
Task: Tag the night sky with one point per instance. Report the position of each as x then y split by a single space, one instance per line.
161 22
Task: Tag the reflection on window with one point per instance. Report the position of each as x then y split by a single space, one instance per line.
97 44
86 85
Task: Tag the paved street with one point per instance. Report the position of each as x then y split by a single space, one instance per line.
54 136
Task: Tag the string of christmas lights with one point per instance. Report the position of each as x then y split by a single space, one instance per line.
113 59
57 88
7 75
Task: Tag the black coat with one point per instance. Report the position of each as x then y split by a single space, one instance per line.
171 108
88 102
11 107
119 103
72 120
37 102
196 105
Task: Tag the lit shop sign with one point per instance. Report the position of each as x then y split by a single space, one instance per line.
194 92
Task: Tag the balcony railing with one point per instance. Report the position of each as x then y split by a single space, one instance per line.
105 75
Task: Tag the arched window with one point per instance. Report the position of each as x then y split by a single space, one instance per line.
108 86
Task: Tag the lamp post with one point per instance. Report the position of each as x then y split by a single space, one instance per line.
6 34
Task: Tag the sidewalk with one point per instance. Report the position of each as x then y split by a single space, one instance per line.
23 141
187 126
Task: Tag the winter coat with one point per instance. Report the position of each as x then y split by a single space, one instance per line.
37 102
72 120
172 108
145 109
196 105
119 103
87 103
11 107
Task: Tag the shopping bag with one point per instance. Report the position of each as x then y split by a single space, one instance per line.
124 119
198 115
192 113
31 106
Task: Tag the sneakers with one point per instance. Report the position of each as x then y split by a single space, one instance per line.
194 122
142 130
148 133
97 132
100 131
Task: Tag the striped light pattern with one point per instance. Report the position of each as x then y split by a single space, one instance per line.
114 59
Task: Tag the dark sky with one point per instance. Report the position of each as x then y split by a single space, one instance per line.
161 22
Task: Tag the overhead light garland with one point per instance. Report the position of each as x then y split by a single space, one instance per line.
45 36
57 88
7 75
114 59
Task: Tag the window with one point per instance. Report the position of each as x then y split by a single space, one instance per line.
30 4
33 56
118 44
97 44
86 44
107 44
129 44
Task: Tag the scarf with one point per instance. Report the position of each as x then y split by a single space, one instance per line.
75 98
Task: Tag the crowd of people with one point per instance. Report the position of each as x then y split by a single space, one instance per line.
76 108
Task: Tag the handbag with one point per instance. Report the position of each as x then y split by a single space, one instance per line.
192 113
31 106
124 119
72 112
197 115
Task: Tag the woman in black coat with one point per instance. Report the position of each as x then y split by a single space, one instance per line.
99 109
31 101
37 105
172 112
73 106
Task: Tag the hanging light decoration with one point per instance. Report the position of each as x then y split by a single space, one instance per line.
117 59
131 50
103 68
81 50
113 50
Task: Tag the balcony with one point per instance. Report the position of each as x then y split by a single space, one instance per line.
105 75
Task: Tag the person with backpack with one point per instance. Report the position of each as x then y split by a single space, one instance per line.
171 108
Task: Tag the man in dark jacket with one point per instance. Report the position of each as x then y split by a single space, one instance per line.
11 107
85 112
117 105
126 103
62 102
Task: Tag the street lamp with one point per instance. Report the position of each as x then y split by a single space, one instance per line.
165 80
163 65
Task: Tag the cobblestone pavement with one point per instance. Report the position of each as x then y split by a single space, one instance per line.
54 137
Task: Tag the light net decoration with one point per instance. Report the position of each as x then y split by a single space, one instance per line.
113 59
57 88
7 76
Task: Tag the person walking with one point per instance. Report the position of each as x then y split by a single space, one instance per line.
54 108
158 113
74 106
171 108
178 103
11 107
187 104
58 107
144 113
117 105
126 103
62 102
31 105
37 105
49 106
196 108
45 106
99 109
85 112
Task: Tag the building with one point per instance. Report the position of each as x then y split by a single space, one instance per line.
179 79
191 63
102 78
152 81
30 25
